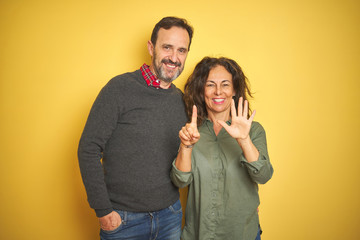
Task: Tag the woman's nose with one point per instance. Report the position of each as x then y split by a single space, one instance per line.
218 90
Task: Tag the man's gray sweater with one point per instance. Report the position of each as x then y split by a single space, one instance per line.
134 129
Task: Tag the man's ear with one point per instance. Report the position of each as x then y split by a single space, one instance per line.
150 48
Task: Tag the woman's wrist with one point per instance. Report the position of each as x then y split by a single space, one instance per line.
245 140
184 146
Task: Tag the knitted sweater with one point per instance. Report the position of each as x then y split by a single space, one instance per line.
134 129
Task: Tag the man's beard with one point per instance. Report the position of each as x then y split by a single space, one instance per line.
161 73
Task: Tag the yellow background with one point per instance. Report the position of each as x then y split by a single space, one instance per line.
301 57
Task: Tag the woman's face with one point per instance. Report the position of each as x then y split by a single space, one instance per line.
219 90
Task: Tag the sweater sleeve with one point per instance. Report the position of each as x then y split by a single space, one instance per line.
100 124
261 170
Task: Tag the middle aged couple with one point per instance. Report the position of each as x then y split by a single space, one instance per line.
152 139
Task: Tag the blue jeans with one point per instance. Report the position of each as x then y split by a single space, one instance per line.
160 225
258 235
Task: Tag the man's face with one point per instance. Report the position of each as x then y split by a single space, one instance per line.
169 53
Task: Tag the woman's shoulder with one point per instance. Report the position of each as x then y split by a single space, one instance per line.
256 127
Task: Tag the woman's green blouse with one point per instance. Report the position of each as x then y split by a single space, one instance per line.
223 187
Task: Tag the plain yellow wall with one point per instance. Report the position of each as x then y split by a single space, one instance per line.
301 57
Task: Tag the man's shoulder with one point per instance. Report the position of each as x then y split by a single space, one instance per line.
123 81
179 92
176 89
126 77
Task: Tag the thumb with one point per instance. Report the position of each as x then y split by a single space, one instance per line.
252 116
224 125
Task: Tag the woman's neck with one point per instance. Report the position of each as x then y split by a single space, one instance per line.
225 116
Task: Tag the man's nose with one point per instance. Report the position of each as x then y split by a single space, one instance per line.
174 56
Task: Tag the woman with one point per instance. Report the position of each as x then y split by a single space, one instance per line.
223 155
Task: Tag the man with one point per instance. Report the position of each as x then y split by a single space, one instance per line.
133 127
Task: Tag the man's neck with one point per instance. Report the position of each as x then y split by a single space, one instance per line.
164 85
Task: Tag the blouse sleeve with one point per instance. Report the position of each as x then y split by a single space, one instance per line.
179 178
261 170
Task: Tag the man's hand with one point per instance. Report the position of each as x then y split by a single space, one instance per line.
110 222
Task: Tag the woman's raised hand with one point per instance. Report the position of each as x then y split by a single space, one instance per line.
240 124
189 134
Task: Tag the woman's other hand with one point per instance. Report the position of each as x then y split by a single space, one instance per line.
240 124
